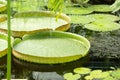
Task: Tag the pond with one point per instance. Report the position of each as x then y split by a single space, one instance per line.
96 23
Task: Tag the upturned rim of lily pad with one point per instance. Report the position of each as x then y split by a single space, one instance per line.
55 59
37 14
3 36
3 7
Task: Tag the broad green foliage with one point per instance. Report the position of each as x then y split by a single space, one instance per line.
71 76
94 74
52 47
102 25
107 17
3 6
76 10
81 19
3 17
100 8
116 6
82 70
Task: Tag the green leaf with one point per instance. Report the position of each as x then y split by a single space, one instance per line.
77 10
51 47
116 74
3 5
71 76
106 17
102 25
81 19
100 8
82 70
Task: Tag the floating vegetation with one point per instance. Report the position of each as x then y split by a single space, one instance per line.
102 25
3 43
31 22
107 17
100 8
82 70
3 5
51 47
94 75
81 19
3 17
76 10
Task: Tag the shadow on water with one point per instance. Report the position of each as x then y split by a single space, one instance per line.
21 69
3 67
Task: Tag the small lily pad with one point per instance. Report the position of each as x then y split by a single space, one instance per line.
88 78
3 5
100 8
98 74
71 76
106 17
102 25
116 74
82 70
76 10
51 47
81 19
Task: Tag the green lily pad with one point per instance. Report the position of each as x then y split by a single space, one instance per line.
76 10
3 44
30 22
88 78
100 8
3 17
102 25
106 17
51 47
82 70
116 74
3 5
71 76
81 19
99 74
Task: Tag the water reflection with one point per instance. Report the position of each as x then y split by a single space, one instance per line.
33 71
46 76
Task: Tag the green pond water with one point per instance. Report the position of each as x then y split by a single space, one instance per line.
26 24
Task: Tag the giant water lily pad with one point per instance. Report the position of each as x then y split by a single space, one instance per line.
77 10
102 25
51 47
106 17
3 44
81 19
100 8
3 5
30 22
3 17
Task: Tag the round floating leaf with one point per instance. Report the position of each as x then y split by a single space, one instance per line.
3 5
76 10
99 74
109 78
82 70
116 74
81 19
88 78
100 8
102 25
70 76
35 22
51 47
106 17
3 44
